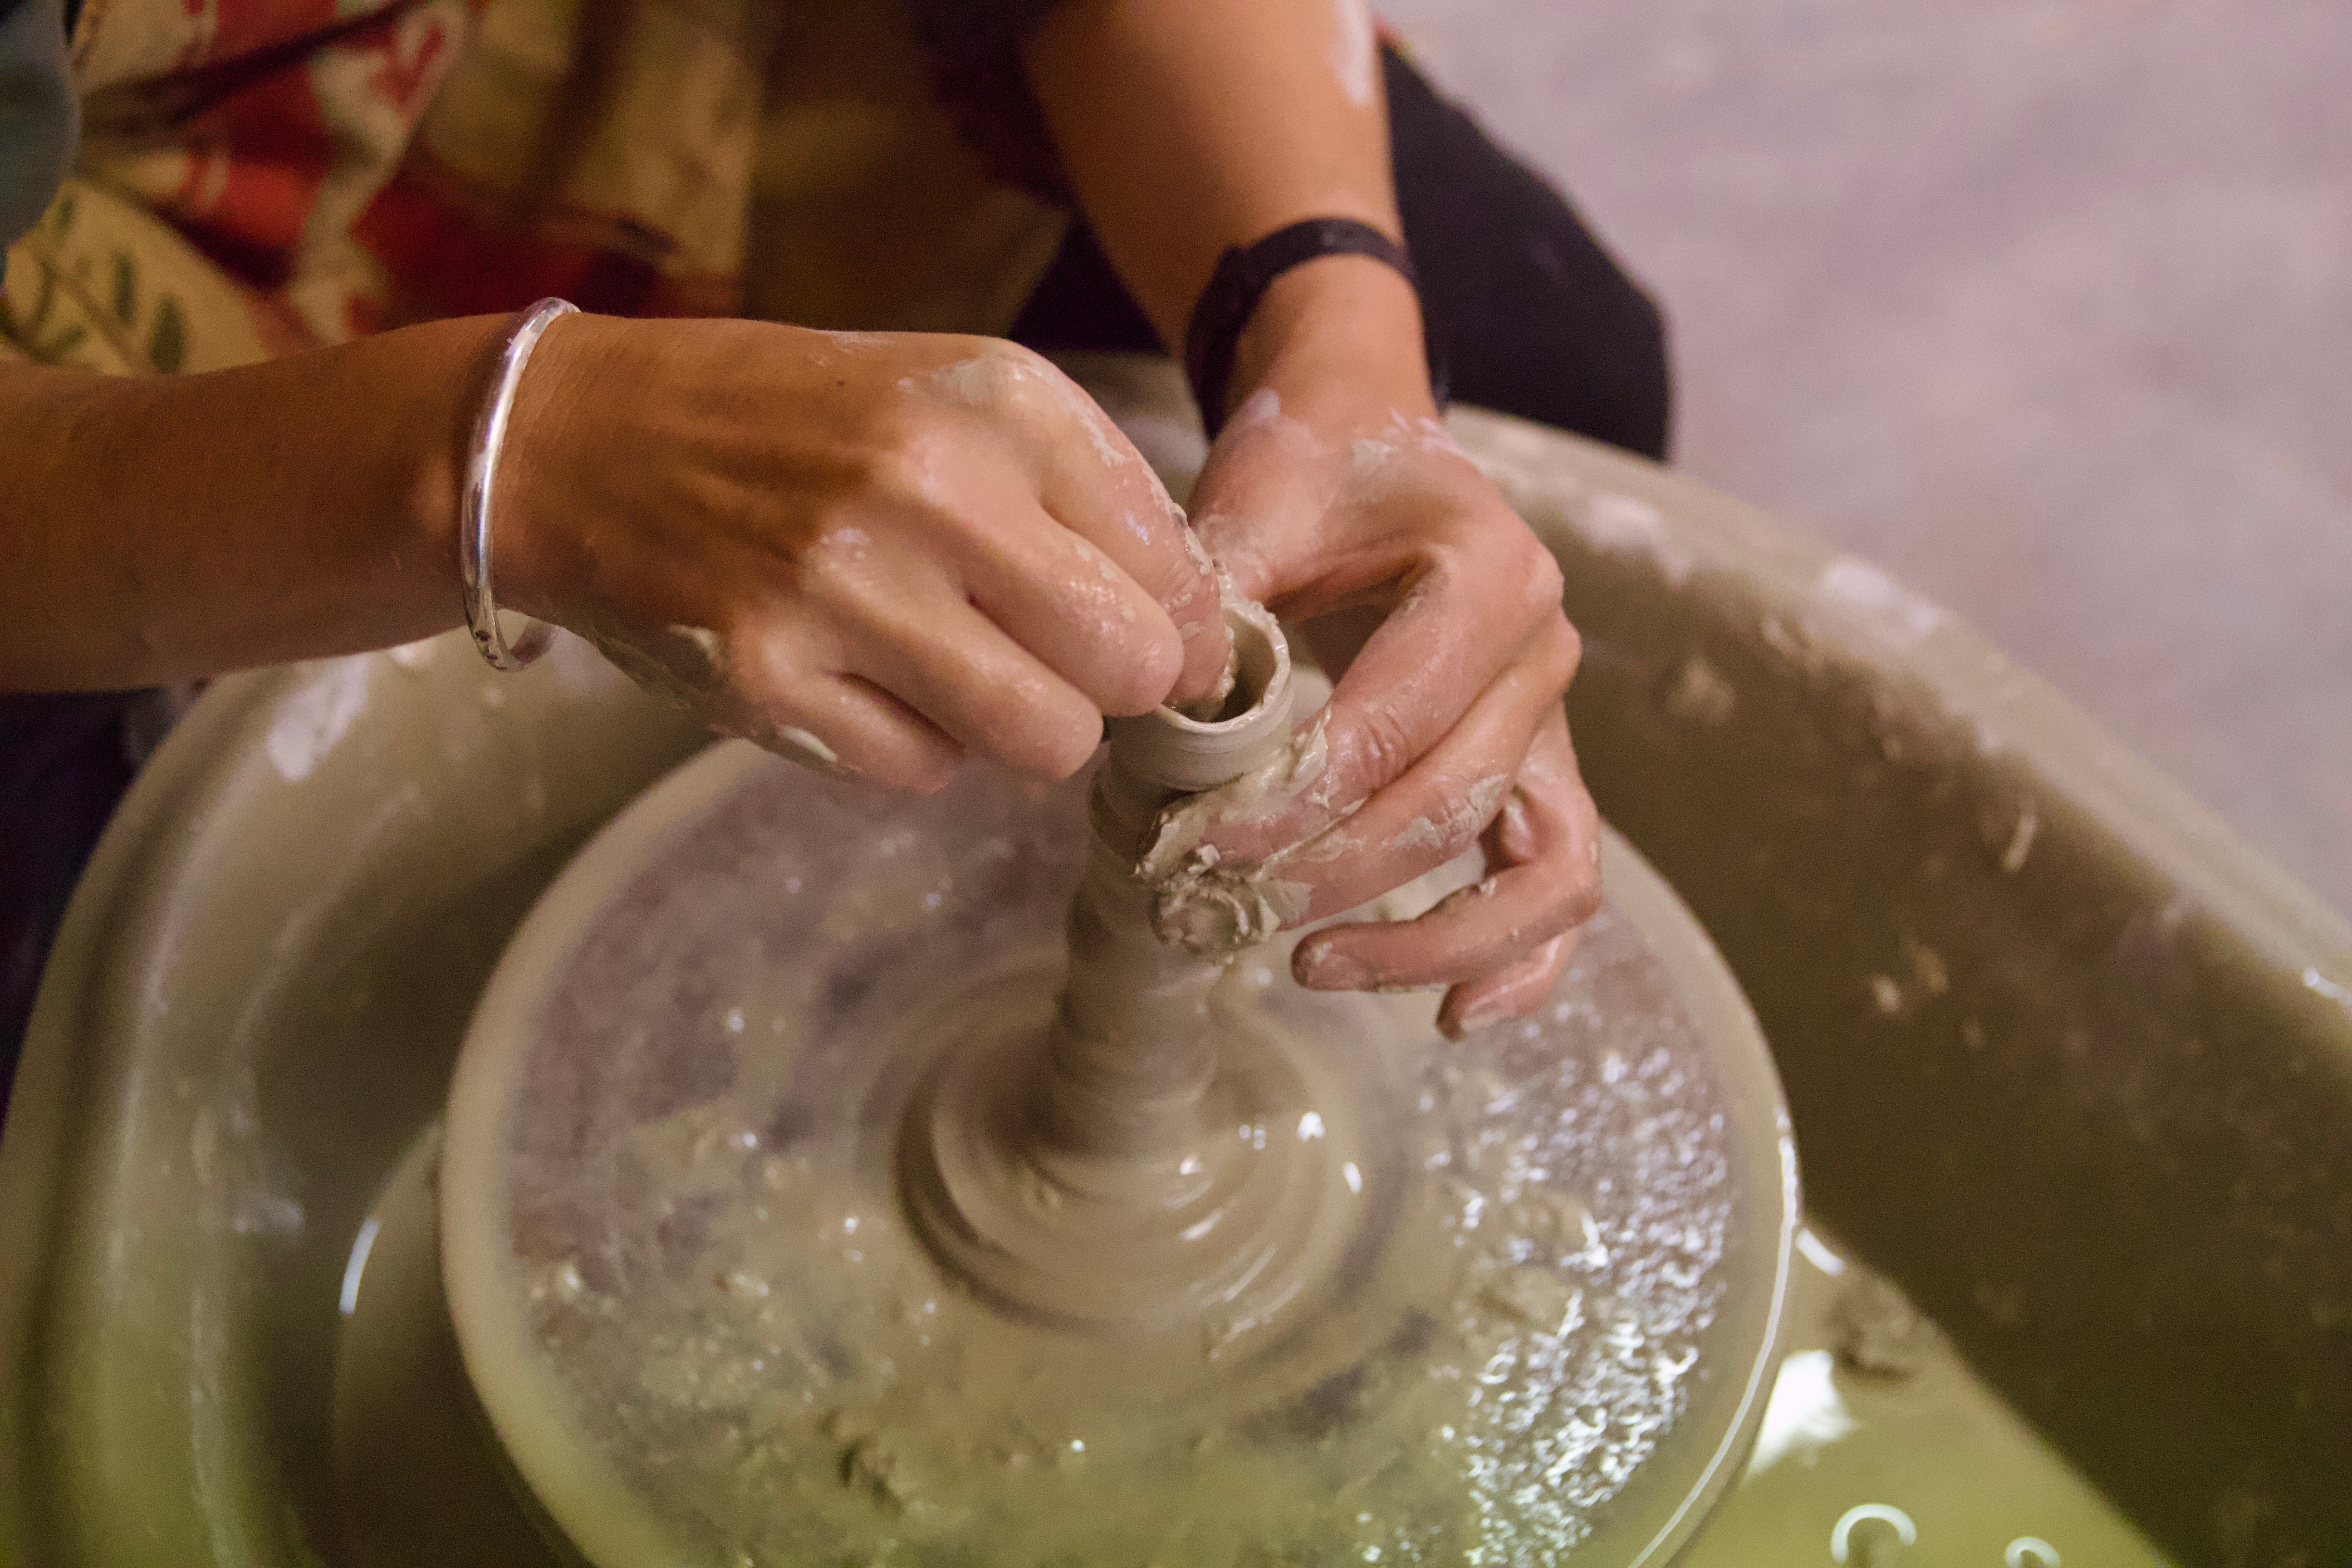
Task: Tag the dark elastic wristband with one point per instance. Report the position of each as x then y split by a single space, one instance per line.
1244 274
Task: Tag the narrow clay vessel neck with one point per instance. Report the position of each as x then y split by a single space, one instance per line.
1133 1054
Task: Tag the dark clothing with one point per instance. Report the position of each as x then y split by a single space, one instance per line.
1532 316
39 117
64 763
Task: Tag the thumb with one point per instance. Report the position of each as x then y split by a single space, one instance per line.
1260 503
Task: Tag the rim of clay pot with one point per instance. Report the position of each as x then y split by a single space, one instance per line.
1177 751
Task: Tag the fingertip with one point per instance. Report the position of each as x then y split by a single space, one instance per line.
1515 834
1206 643
926 772
1466 1009
860 731
1321 963
1204 655
931 777
1062 756
1155 675
1515 992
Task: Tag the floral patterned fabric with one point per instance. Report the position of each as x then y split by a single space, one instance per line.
256 176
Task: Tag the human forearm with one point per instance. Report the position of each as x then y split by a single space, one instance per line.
1187 126
160 529
881 552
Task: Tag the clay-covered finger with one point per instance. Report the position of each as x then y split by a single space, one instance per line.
1441 803
845 725
1476 932
778 696
1448 641
1551 819
1515 992
1106 495
934 652
1417 823
1543 881
1090 479
1069 603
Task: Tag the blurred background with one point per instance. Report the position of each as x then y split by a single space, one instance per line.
2044 305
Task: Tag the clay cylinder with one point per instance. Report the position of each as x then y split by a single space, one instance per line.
1131 1055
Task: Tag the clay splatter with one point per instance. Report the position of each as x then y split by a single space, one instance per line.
1625 525
1897 614
316 715
1459 822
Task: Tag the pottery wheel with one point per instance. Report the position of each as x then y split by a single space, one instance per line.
695 1286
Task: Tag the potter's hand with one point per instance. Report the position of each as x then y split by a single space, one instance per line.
1439 611
880 551
1185 129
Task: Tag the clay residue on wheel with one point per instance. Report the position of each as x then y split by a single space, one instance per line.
712 1255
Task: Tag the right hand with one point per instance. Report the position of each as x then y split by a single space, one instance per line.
881 551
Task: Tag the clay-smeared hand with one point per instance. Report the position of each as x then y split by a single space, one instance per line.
1438 611
876 552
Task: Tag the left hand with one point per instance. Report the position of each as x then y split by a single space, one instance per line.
1187 126
1438 612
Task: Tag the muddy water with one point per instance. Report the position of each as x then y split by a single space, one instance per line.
1882 1450
418 1478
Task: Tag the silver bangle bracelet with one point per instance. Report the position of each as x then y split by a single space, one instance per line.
481 472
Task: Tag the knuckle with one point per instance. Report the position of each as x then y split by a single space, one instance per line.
915 453
1445 563
1017 356
1022 383
1538 569
1028 400
1441 586
1182 577
766 662
1038 374
1196 620
1383 744
1579 900
1452 825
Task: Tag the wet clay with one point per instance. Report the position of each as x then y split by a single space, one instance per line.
1102 1182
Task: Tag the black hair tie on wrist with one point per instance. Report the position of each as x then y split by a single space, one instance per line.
1244 274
